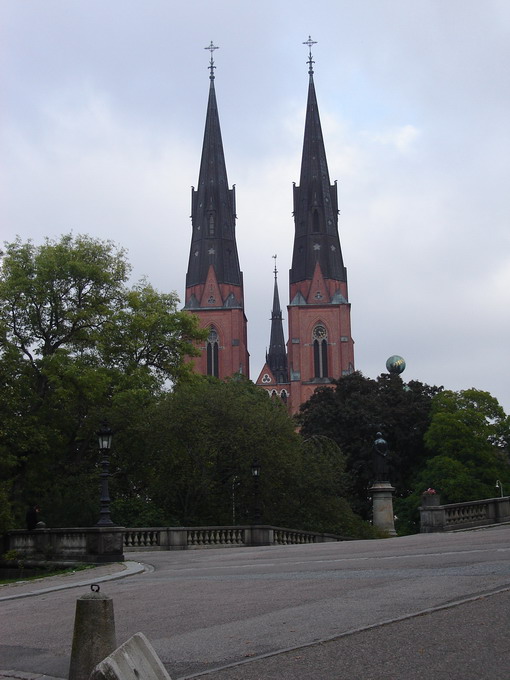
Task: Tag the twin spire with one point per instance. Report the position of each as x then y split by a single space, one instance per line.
213 208
318 279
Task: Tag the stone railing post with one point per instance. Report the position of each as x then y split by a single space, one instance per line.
259 535
503 509
432 514
177 539
105 544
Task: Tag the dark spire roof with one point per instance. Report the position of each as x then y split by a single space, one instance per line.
315 203
276 358
213 210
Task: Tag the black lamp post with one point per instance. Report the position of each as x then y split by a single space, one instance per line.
105 442
255 473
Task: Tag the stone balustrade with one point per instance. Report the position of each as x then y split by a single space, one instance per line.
435 517
108 544
93 544
188 538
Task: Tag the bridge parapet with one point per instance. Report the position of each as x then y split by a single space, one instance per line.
93 544
108 544
189 538
469 515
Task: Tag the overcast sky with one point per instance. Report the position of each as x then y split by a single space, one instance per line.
102 119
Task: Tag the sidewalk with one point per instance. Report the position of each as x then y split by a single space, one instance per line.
467 641
76 579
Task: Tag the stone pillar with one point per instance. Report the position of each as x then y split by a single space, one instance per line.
382 499
259 535
429 500
503 509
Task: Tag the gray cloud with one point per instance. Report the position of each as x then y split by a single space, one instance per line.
102 128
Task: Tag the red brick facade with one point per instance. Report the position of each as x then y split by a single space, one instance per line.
227 326
320 345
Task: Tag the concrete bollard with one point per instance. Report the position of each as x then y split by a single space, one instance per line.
94 633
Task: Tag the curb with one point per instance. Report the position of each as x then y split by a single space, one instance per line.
131 569
19 675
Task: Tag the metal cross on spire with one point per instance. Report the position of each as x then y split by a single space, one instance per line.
310 61
275 270
211 49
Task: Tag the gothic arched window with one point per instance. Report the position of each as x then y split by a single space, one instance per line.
211 224
212 353
316 221
320 351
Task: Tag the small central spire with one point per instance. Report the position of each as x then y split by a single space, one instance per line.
211 67
275 270
310 61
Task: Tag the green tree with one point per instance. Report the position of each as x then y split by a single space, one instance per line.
202 439
77 345
470 434
355 410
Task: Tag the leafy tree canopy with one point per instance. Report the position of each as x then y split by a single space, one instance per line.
76 340
468 428
355 410
201 440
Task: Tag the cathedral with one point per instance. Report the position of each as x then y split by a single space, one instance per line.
320 346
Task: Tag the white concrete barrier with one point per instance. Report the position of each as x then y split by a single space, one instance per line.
134 660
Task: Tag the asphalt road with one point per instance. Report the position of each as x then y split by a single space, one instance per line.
387 609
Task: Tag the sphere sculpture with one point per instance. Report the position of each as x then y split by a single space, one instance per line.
395 365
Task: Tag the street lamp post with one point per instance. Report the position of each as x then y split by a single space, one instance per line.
105 442
255 473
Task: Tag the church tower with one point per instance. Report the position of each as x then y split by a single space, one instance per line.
274 376
320 347
214 281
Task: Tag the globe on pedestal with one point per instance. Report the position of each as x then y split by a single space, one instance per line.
395 365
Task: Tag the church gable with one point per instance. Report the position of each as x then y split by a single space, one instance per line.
318 292
211 297
266 377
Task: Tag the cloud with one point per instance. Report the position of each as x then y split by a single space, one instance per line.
402 139
102 126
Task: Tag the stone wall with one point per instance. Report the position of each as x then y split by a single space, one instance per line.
435 517
94 544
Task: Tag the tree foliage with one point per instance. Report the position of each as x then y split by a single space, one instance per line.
80 345
201 440
75 342
455 442
469 433
355 410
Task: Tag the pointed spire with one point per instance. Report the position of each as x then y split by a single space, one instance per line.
213 211
315 202
276 358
